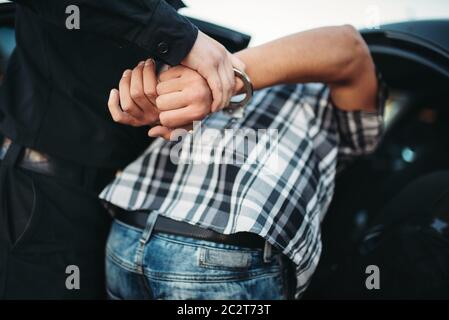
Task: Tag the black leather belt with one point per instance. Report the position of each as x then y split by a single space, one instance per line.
166 225
38 162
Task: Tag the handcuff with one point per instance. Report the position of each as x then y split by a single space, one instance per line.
237 109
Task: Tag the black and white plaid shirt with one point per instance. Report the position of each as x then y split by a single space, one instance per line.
279 187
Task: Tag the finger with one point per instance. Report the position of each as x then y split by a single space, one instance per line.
237 63
182 117
231 76
172 73
150 80
224 81
126 101
116 112
172 101
137 89
226 71
175 134
170 86
167 133
216 87
158 131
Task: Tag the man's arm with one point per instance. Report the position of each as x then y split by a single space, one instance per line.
337 56
156 27
150 24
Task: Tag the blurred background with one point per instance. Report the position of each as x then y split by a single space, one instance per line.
265 20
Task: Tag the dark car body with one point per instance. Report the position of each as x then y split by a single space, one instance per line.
411 244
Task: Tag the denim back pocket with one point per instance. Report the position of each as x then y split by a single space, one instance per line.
224 259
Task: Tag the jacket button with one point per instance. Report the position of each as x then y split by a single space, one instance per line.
162 48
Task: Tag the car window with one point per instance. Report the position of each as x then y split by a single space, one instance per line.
266 19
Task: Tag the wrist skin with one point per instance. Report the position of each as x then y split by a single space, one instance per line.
336 56
239 86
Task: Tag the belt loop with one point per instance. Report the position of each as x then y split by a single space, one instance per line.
146 235
267 252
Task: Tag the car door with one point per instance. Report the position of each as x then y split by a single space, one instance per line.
413 58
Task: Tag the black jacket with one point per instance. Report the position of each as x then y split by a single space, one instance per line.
54 97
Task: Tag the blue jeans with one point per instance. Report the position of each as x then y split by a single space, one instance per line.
142 265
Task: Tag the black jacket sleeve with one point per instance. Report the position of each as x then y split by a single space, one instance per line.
153 25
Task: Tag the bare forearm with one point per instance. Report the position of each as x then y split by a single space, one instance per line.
336 56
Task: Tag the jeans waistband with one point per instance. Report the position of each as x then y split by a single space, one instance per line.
140 219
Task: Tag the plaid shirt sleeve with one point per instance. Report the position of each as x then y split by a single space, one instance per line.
359 131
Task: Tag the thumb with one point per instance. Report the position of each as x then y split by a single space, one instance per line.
237 63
